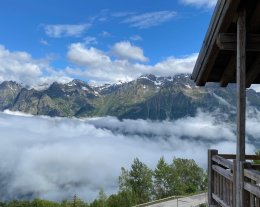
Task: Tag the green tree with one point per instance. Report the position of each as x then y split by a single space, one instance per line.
113 201
44 203
102 198
101 201
65 203
127 199
95 203
123 180
123 198
137 182
140 180
75 202
126 195
16 203
162 179
2 204
188 177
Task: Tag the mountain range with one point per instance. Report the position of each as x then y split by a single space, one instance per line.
147 97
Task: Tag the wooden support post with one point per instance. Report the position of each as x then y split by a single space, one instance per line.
211 177
241 106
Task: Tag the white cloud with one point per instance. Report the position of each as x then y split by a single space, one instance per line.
151 19
255 87
200 3
126 50
99 67
44 42
136 38
91 63
105 34
46 80
102 16
66 30
90 40
173 65
19 66
122 14
89 57
56 158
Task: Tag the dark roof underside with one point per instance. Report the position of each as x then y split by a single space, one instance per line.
216 65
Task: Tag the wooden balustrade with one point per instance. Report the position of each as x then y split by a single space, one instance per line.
221 179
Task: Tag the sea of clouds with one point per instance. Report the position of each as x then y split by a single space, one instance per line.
55 158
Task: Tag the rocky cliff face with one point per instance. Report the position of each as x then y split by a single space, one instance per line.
9 90
148 97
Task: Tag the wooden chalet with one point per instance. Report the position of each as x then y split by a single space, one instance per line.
231 54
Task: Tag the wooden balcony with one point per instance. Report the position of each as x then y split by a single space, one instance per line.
222 178
227 56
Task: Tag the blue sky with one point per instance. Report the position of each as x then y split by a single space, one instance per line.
99 41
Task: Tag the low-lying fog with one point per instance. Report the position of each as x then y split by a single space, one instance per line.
55 158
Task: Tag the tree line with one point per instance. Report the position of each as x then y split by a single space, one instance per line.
139 184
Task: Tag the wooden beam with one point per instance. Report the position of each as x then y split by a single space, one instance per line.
253 73
228 41
254 189
254 22
220 201
206 44
252 174
241 106
229 72
221 171
248 157
221 20
222 161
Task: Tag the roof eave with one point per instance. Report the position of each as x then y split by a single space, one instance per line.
220 21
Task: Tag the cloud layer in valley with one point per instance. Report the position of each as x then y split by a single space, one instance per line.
55 158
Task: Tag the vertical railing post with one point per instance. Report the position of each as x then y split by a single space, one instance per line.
252 196
247 165
241 106
233 202
211 153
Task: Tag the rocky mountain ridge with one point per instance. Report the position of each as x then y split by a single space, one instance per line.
148 97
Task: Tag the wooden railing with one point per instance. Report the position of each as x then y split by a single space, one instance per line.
222 177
